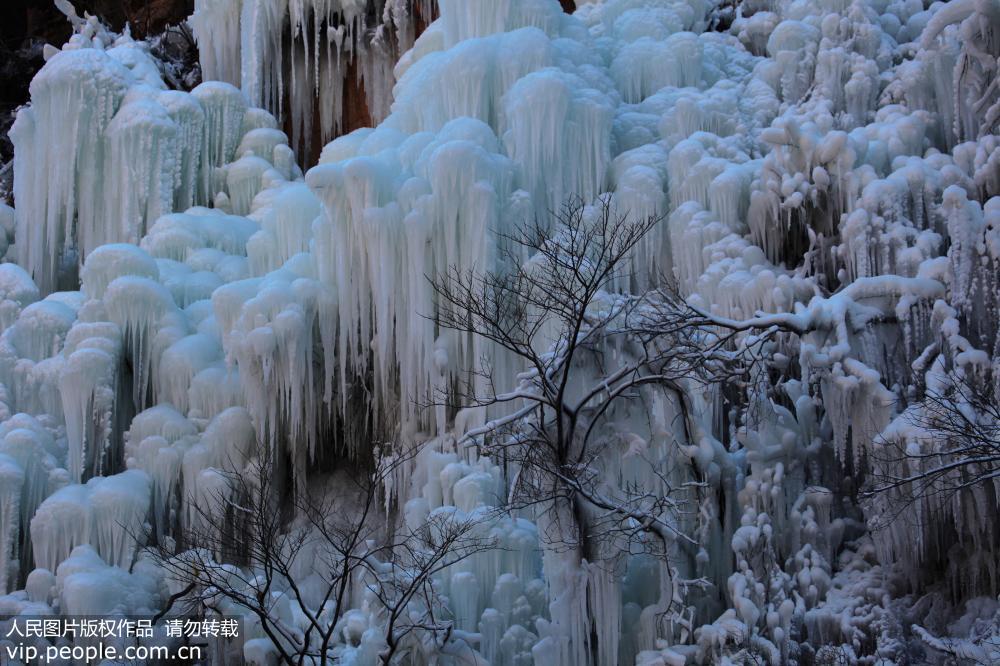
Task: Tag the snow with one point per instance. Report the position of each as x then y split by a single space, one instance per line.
87 585
106 513
19 291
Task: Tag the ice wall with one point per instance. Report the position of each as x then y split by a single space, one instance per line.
826 177
295 57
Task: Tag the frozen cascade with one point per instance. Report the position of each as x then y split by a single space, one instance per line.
439 198
145 310
825 171
141 127
87 585
164 146
188 116
536 106
120 503
217 23
18 290
243 181
89 385
64 193
12 480
286 228
106 513
61 524
29 354
307 49
225 108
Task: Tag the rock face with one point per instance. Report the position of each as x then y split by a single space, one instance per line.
26 21
39 19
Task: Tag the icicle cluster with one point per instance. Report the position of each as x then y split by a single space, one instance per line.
294 57
825 175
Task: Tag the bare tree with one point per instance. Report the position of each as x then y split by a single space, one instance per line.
960 427
980 650
408 575
554 309
949 448
242 545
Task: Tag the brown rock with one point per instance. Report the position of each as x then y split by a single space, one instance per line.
39 19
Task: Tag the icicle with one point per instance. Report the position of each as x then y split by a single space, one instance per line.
60 524
61 157
11 484
189 118
17 291
224 107
87 383
120 504
142 308
216 26
559 164
141 167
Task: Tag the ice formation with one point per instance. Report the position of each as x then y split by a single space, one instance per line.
294 57
179 295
